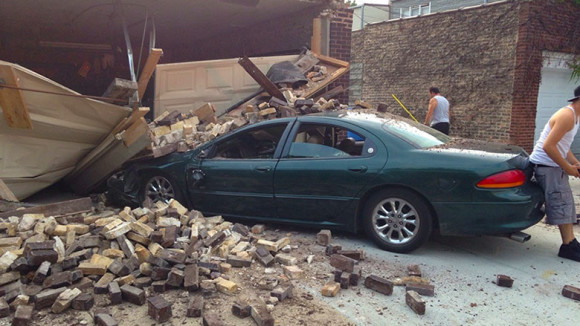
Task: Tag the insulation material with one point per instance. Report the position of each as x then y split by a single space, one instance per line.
64 130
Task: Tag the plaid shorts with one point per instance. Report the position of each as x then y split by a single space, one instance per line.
560 207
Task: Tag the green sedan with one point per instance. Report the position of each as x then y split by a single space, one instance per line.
393 178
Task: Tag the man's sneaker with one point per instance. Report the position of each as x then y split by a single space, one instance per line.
570 251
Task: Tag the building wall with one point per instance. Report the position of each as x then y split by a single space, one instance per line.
436 5
281 35
545 25
340 46
469 54
486 60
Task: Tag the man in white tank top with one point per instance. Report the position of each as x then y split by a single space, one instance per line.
438 112
553 162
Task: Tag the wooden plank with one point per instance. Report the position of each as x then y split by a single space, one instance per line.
135 131
135 115
332 61
6 193
260 78
316 39
12 100
332 93
148 70
80 205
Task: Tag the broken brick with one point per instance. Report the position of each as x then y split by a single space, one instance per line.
414 270
261 315
191 277
115 295
282 292
212 319
4 308
22 316
46 298
330 289
105 320
354 254
241 309
332 249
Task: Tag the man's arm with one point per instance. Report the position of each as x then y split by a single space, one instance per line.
560 124
432 106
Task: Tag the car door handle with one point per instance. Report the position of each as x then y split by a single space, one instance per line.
361 169
263 168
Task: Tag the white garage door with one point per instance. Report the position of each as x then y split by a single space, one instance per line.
555 89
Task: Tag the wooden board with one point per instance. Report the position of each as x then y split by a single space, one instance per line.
148 70
135 131
336 68
12 102
80 205
315 41
5 192
260 78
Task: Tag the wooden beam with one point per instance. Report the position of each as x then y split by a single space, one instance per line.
148 70
135 115
316 39
260 78
135 131
6 193
12 100
80 205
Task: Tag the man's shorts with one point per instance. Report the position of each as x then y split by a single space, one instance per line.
560 207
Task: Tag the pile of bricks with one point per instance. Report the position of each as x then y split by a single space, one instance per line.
133 255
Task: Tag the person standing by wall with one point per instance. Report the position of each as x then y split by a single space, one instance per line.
553 162
438 112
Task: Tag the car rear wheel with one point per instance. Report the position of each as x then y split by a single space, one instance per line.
159 188
398 220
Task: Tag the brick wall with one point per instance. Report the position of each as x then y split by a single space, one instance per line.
468 54
486 60
546 25
280 35
340 45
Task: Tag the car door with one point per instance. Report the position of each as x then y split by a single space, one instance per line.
323 170
237 174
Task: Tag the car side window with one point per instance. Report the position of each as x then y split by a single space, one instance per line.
322 141
257 143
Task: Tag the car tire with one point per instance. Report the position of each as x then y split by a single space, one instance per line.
159 187
398 220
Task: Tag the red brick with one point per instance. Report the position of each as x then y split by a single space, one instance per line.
379 284
159 308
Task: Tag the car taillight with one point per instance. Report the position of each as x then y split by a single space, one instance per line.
506 179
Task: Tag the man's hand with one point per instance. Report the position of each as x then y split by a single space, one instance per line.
573 170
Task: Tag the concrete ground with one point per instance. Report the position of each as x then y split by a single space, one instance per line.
463 271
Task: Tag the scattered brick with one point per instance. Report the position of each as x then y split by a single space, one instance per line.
293 272
159 309
571 292
379 284
47 297
195 307
342 262
212 319
105 320
261 315
115 295
354 254
505 281
64 300
323 237
414 270
422 289
83 301
4 308
241 309
414 300
332 249
133 294
330 289
282 292
22 316
191 277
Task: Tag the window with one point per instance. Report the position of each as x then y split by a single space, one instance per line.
318 141
258 143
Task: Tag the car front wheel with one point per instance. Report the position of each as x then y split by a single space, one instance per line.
158 188
398 220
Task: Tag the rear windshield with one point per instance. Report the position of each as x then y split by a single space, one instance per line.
415 133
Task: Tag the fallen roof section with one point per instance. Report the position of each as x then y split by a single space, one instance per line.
48 130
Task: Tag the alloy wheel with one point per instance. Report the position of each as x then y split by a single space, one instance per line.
395 221
159 188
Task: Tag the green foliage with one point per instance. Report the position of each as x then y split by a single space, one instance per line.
351 3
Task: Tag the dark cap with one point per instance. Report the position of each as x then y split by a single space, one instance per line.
576 94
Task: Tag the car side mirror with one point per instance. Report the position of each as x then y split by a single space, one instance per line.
202 154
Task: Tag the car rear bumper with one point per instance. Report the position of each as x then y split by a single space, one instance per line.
492 218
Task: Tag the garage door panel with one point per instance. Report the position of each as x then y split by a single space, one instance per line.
188 85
